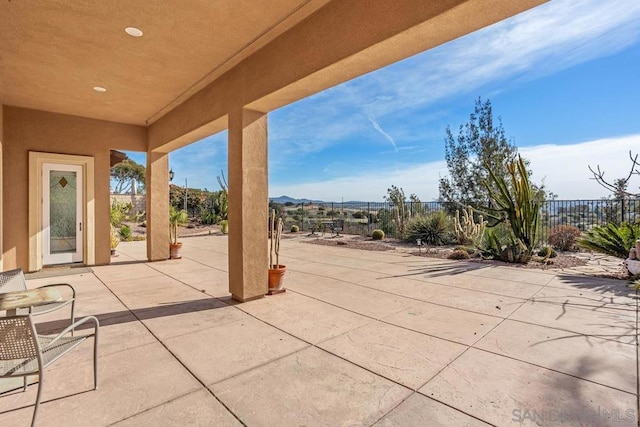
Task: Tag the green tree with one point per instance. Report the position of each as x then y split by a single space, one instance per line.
481 141
128 177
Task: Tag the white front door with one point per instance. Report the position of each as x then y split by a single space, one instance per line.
62 213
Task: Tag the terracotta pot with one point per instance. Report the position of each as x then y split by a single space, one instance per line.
276 278
174 250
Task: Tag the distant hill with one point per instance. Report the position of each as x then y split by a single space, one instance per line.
287 199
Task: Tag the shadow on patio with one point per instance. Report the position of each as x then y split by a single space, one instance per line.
359 338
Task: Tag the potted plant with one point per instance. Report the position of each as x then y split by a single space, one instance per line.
276 270
114 240
176 218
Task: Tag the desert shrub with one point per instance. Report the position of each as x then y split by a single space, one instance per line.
359 215
433 229
499 243
612 239
377 234
458 254
208 217
224 226
516 253
467 249
547 252
118 212
295 228
125 233
563 237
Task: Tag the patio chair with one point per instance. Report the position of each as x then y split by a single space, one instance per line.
23 352
13 280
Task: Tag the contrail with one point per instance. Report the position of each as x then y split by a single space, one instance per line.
377 127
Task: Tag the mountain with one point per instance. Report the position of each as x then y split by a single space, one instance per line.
285 199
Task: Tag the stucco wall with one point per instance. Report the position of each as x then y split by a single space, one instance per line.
32 130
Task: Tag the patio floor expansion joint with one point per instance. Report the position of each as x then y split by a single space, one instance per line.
172 353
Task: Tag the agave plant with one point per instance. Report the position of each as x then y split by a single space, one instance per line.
611 239
517 204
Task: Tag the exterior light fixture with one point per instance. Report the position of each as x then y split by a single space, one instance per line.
99 89
171 174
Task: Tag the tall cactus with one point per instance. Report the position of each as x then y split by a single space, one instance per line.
466 229
275 234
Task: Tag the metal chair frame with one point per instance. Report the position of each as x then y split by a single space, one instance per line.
14 280
23 352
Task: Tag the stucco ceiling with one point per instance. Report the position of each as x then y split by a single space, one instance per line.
53 52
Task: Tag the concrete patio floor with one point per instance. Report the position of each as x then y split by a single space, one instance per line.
359 338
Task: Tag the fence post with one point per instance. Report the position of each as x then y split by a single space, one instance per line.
302 218
621 210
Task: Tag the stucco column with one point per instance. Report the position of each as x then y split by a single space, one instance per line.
248 194
157 185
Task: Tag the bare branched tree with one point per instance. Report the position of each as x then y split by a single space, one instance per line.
619 187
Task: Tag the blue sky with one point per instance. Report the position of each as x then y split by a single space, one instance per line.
564 77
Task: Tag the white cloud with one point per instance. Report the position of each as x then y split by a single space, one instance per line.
563 167
542 41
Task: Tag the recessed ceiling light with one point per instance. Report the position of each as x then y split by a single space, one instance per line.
99 89
133 31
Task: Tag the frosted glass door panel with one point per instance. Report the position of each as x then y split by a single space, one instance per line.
62 213
63 206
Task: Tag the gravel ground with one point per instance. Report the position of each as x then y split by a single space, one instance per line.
601 266
579 262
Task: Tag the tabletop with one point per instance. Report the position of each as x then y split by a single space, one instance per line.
28 298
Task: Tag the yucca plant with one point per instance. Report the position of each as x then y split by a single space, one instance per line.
611 239
432 229
176 217
516 203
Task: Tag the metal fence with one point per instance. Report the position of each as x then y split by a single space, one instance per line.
363 217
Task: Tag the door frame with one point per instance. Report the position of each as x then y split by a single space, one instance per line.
36 161
64 257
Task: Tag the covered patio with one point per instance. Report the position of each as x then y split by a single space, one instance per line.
81 79
359 338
